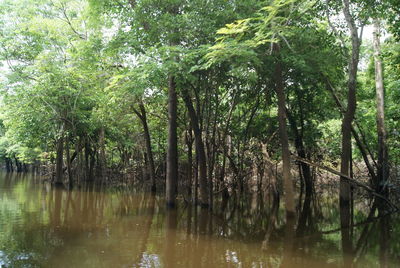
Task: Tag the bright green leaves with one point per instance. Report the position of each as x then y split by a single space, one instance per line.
49 85
274 23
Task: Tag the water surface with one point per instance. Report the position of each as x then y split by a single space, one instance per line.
41 226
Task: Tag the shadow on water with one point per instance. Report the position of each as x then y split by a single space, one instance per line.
45 226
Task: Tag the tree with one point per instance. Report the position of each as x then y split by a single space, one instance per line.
382 173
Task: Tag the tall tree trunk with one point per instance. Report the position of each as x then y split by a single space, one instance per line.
280 92
11 165
149 152
305 213
383 171
102 153
18 164
299 144
346 157
200 152
364 150
172 152
8 165
59 161
92 164
189 144
87 159
67 152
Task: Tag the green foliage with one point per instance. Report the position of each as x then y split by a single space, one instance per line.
73 67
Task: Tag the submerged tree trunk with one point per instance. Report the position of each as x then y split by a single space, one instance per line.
200 151
383 171
280 92
346 157
305 213
172 152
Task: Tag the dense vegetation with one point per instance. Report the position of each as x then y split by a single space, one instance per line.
205 99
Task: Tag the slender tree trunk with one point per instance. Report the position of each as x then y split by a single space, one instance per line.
213 155
18 164
67 152
200 152
8 165
287 180
102 153
80 160
346 157
189 144
351 108
11 165
299 144
364 150
92 163
383 169
59 161
149 152
87 159
172 153
306 172
196 179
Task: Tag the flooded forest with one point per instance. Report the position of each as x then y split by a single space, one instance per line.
199 133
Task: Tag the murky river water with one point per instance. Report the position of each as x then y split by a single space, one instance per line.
45 227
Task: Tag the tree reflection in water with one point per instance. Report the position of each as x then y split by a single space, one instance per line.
90 227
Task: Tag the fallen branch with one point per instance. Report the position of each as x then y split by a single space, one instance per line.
346 177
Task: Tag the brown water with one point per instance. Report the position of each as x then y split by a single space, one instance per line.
45 227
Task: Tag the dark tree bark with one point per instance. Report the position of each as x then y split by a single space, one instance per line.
299 144
189 144
149 152
92 164
280 92
18 164
87 159
172 152
200 151
59 161
306 174
365 152
9 167
346 157
69 169
102 153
